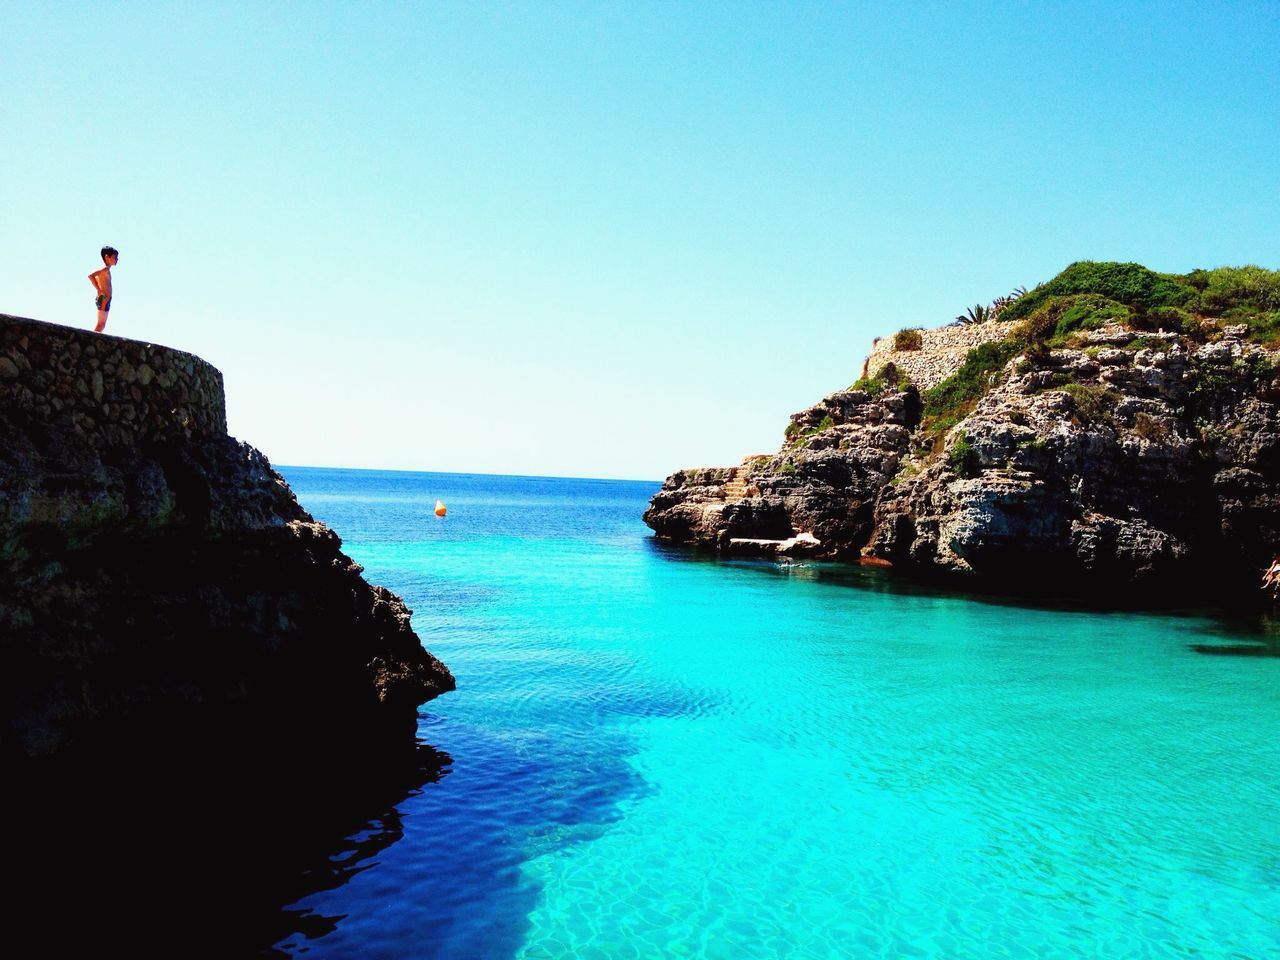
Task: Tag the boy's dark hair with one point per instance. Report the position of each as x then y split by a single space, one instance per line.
107 250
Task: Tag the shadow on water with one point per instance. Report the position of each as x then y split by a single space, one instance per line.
460 864
877 580
186 844
361 826
1247 633
1249 628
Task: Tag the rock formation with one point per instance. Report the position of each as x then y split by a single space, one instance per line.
813 497
1100 461
1099 467
155 572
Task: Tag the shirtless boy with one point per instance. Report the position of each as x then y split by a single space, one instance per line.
101 280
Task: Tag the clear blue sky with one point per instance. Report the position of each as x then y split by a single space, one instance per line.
603 239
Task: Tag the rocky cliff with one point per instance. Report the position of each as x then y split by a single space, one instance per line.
156 573
816 496
1095 446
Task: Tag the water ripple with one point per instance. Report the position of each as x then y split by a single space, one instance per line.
657 754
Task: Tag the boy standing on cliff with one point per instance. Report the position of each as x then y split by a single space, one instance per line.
101 280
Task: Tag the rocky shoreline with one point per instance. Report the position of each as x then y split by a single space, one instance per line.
1103 460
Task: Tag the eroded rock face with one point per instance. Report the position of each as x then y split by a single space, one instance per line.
1150 467
1102 469
153 569
823 482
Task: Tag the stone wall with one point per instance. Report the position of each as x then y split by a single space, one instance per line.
943 351
110 391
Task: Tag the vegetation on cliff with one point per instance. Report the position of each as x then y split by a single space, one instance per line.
888 377
908 338
1087 295
1123 432
1249 294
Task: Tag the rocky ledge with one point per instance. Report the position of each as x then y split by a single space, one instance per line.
816 496
155 573
1112 455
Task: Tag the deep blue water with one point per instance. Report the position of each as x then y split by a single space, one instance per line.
656 755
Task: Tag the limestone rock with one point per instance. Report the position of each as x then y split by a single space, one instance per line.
821 485
1150 466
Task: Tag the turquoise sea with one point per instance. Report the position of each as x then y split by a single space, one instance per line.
655 754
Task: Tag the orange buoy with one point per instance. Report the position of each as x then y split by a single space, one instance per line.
441 509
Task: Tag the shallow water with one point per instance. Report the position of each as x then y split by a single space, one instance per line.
658 755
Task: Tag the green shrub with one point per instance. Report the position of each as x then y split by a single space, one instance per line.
1198 329
1037 356
1210 386
1058 317
909 338
1237 315
1172 319
1251 286
955 396
787 468
1215 387
1259 366
889 377
1034 444
1127 283
936 426
1042 321
1264 327
1197 279
1216 380
1150 343
1093 401
796 429
963 458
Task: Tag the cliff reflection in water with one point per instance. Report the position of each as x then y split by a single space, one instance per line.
1247 634
195 852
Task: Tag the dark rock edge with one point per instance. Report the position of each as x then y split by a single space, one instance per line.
157 574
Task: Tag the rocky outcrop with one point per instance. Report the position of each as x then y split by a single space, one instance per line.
814 497
1128 462
1088 469
156 572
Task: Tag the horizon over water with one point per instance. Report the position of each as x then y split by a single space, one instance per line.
282 468
655 753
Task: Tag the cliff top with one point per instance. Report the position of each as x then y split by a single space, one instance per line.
1114 428
1083 297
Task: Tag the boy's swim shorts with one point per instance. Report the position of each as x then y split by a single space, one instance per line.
104 303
